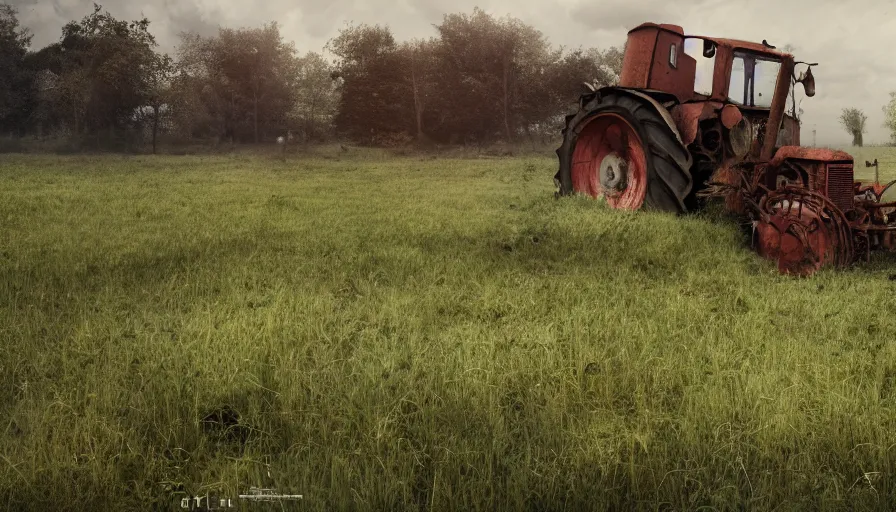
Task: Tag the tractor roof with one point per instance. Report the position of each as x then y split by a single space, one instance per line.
731 43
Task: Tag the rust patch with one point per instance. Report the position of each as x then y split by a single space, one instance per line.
687 117
730 116
637 60
802 231
803 153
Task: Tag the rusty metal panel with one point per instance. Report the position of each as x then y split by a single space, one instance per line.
730 116
688 116
677 79
776 109
638 57
748 45
646 63
840 185
804 153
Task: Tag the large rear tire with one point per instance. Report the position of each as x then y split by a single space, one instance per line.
620 148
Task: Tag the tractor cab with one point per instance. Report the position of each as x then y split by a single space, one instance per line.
706 74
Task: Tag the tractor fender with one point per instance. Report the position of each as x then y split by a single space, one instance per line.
660 109
807 153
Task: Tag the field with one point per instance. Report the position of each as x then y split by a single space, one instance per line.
409 333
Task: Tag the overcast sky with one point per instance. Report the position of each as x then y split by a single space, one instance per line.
852 41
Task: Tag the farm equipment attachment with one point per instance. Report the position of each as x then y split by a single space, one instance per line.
698 118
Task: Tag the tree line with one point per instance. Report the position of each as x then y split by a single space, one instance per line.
479 79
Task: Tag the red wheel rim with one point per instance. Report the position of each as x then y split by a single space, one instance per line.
800 242
609 161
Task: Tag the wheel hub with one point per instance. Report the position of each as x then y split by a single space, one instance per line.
610 161
613 173
803 231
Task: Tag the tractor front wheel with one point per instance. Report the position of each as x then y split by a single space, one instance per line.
802 231
620 148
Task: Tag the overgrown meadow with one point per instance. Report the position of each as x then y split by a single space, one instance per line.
382 332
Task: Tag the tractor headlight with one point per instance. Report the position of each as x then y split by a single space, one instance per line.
740 138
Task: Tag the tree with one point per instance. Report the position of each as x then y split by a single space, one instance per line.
502 78
245 81
100 66
608 63
157 93
486 64
15 78
853 120
890 116
316 96
203 94
421 64
372 102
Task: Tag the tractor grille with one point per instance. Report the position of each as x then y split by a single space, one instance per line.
840 185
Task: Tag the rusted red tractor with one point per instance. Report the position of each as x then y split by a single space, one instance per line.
695 118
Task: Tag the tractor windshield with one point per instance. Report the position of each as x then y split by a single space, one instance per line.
753 80
703 52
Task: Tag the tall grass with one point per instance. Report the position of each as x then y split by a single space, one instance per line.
381 333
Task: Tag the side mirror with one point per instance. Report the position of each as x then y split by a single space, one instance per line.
808 82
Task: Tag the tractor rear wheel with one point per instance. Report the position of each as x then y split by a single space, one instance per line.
620 148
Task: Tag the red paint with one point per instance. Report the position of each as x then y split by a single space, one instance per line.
646 61
637 59
730 116
687 117
678 80
803 153
737 44
788 241
876 188
605 135
646 64
840 187
802 231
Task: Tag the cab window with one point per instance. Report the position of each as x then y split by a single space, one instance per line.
753 80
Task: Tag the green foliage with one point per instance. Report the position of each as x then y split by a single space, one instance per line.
890 116
92 81
371 74
357 46
244 82
155 115
15 78
409 334
105 71
482 79
316 101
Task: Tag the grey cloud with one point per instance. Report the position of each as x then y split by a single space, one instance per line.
622 15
